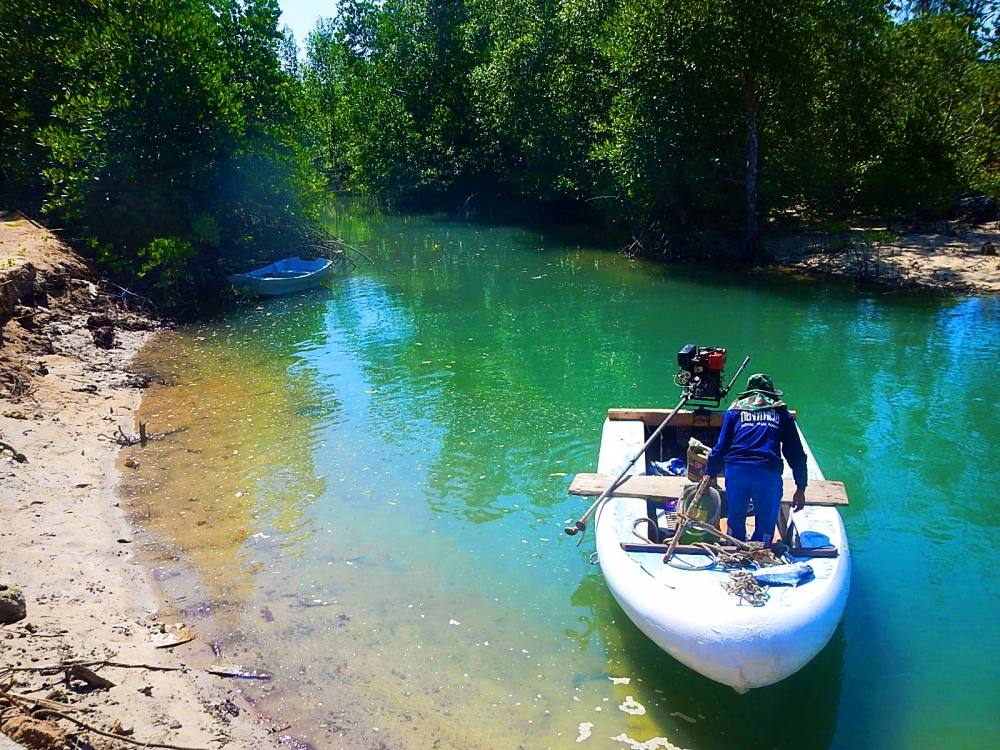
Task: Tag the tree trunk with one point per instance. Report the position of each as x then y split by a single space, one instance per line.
753 250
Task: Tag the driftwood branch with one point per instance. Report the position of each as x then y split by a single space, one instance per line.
111 735
89 676
238 672
100 663
124 440
218 670
124 294
17 698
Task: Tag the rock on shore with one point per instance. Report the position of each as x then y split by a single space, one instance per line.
12 606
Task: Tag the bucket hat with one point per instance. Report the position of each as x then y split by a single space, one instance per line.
761 383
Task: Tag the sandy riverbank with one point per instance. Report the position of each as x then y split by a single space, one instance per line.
948 257
65 543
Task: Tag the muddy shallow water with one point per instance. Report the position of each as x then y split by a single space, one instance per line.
367 494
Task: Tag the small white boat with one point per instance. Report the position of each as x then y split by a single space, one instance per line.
689 613
285 276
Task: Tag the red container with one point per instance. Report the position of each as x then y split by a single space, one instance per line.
717 359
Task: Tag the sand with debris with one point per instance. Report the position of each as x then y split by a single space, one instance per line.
63 404
947 256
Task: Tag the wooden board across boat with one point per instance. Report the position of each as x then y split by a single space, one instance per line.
821 492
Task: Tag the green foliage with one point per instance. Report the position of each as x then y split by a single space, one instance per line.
179 139
931 88
642 109
168 257
175 142
979 141
36 40
540 93
389 84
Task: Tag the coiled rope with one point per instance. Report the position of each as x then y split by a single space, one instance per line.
748 556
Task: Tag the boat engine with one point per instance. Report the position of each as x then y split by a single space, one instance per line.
700 372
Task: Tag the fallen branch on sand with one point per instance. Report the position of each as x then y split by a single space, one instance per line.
100 663
82 673
58 705
218 670
123 295
111 735
124 440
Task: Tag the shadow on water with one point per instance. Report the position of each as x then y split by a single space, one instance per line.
799 712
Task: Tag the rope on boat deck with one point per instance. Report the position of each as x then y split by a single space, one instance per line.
652 525
748 557
745 586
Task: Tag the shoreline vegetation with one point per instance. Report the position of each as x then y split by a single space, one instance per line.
196 138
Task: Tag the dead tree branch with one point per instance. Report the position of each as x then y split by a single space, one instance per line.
111 735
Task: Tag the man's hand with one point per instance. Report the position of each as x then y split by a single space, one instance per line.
799 499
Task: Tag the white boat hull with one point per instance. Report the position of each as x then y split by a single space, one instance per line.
286 276
692 617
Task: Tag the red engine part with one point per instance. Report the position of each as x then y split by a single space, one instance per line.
717 359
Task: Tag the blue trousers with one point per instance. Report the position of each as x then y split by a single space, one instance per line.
746 481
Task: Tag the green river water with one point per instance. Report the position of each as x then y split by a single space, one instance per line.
369 496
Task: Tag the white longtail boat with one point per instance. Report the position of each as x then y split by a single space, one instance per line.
689 612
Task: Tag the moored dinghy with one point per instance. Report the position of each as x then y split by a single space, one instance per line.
285 276
686 607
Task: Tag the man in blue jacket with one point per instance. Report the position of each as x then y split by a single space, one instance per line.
756 430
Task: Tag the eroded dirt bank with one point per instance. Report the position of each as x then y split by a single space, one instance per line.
67 399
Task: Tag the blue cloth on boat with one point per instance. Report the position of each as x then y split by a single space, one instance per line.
759 438
675 467
745 481
784 575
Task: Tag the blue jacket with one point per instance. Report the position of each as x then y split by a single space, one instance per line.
759 438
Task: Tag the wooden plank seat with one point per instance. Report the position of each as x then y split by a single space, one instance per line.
689 549
684 418
826 493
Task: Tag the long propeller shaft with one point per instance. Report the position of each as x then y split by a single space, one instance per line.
581 524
